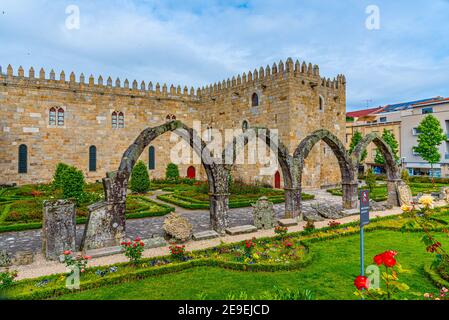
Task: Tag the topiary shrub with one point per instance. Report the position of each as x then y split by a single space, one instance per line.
72 183
140 181
172 172
58 175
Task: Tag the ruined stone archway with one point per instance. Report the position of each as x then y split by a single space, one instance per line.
394 181
348 175
116 183
284 159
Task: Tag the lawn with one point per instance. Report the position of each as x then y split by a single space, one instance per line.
379 193
323 261
330 276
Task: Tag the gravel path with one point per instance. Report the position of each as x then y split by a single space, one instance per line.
30 240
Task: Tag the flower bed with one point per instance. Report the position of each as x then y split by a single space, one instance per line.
21 208
285 251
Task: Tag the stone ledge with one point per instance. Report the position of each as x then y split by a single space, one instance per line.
205 235
155 242
287 222
350 212
241 230
103 252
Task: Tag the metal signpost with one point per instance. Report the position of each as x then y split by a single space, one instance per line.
364 220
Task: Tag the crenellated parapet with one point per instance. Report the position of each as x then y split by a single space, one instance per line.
95 85
305 72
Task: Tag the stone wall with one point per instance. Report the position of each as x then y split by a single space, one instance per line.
289 100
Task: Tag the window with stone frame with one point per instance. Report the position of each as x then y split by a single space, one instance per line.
52 117
114 120
121 120
255 100
245 125
321 103
60 117
23 159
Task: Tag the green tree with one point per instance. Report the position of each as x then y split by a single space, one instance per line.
140 180
172 172
58 175
356 138
72 183
370 179
390 139
430 138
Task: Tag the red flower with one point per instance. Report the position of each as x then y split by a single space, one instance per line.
67 252
137 239
142 244
379 259
361 282
389 261
390 253
135 245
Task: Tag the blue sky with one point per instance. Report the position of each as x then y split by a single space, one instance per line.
199 42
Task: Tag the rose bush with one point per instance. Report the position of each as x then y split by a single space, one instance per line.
73 262
133 250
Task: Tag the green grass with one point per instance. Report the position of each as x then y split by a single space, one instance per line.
330 276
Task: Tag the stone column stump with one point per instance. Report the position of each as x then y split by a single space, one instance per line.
58 228
264 215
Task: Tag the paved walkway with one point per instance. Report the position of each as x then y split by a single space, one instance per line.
30 240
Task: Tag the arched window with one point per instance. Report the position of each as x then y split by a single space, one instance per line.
151 158
255 100
60 117
170 117
23 158
92 158
121 120
245 125
321 103
209 133
52 117
114 120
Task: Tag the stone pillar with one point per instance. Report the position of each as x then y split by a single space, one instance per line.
350 195
115 188
219 205
58 228
103 228
399 193
292 203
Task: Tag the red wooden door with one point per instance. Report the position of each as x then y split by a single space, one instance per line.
277 180
191 173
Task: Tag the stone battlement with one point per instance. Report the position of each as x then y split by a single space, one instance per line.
304 72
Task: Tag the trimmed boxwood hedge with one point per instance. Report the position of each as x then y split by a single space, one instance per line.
195 204
138 214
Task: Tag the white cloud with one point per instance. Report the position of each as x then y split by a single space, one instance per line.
200 42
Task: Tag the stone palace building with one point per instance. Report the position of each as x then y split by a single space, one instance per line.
89 123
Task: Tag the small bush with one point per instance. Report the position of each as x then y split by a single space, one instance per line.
58 176
370 179
140 181
172 172
72 183
405 176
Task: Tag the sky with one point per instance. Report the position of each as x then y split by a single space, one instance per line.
199 42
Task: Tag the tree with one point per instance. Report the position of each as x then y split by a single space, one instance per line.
140 181
430 138
390 139
58 176
172 172
370 179
72 183
356 138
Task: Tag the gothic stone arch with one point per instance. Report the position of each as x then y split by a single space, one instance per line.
348 176
116 183
396 187
285 160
